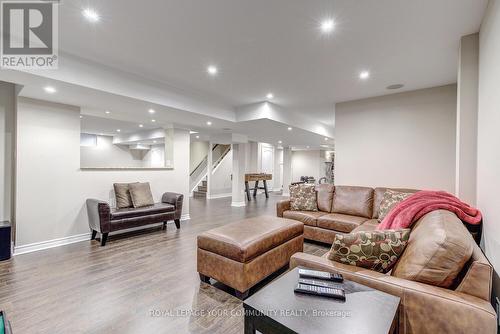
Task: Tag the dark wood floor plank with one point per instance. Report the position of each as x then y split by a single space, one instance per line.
125 286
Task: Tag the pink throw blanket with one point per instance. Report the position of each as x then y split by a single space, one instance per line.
414 207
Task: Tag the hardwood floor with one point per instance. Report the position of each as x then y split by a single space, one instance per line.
141 282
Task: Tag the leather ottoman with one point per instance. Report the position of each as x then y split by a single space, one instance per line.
242 254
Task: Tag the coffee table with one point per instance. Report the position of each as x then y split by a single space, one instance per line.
277 309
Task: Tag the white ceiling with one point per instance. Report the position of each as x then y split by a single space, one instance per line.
263 46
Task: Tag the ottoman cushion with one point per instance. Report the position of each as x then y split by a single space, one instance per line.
247 239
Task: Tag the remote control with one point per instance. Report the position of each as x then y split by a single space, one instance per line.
323 284
307 273
319 291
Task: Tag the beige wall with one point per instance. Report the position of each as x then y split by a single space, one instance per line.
399 140
466 151
51 188
488 159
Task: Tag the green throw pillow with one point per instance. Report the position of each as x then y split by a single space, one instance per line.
303 197
374 250
390 199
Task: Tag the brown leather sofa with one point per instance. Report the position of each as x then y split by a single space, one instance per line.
104 219
442 289
340 211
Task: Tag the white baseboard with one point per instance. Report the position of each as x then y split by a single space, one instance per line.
238 204
219 196
38 246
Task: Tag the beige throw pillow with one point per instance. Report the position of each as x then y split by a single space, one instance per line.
141 194
303 197
390 199
122 195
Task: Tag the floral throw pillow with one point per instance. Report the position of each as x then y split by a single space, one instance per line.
303 197
390 199
374 250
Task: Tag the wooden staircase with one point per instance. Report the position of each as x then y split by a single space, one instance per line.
202 190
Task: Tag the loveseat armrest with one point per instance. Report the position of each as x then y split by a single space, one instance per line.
99 213
424 308
176 200
282 206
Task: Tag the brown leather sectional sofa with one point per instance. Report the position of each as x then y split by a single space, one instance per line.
341 211
442 289
104 219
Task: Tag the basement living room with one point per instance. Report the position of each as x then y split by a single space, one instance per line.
284 166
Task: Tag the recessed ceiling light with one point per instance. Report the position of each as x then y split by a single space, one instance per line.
118 130
153 120
151 111
270 96
326 139
209 123
81 116
280 142
91 15
364 75
308 146
327 26
396 86
289 128
212 70
197 137
154 141
140 125
50 89
107 111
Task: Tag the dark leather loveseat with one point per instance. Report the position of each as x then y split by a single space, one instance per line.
104 219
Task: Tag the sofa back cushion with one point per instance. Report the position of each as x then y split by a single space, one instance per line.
355 201
438 249
378 195
324 197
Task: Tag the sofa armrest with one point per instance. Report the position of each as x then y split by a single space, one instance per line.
424 308
282 206
99 213
176 200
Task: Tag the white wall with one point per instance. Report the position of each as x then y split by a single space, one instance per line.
7 116
198 150
307 163
399 140
220 182
488 159
51 188
107 154
467 90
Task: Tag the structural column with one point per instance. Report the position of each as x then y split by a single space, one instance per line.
467 113
287 170
239 169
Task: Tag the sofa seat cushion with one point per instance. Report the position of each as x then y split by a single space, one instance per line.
307 217
438 249
143 211
367 226
245 240
340 222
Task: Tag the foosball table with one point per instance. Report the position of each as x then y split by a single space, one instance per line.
257 177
